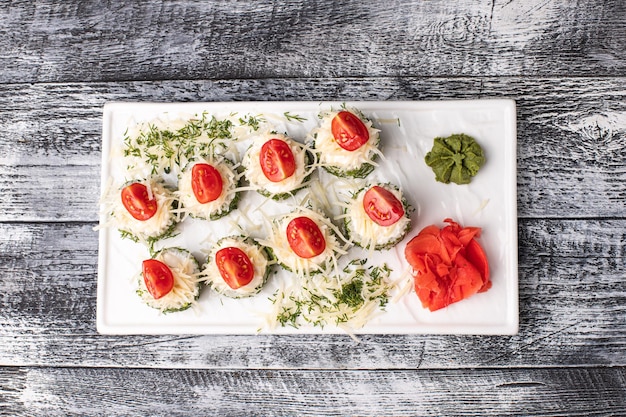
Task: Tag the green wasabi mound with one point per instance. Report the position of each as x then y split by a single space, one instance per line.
456 158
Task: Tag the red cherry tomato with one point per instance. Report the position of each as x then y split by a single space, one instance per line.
277 160
137 202
235 267
382 206
206 183
305 237
158 278
349 131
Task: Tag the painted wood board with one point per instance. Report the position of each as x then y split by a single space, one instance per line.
498 392
69 42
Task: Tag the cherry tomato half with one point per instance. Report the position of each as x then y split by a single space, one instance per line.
277 160
206 183
137 202
235 267
349 131
158 278
305 237
382 206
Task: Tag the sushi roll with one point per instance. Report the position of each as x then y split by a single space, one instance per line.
237 267
304 242
346 143
207 189
377 217
170 281
276 165
145 210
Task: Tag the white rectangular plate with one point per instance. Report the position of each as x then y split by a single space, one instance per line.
407 132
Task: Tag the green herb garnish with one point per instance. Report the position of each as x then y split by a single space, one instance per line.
351 294
162 149
252 121
294 117
360 288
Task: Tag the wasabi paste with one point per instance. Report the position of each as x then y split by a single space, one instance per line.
456 158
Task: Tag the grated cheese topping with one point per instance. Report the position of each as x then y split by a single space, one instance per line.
255 174
368 233
187 198
259 261
331 154
186 288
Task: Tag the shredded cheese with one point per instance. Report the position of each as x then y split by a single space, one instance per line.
348 300
255 174
368 233
331 154
259 261
186 288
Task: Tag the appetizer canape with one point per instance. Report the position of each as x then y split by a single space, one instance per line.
207 189
377 217
170 281
237 267
276 165
144 210
346 143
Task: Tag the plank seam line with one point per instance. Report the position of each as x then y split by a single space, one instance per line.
533 77
325 370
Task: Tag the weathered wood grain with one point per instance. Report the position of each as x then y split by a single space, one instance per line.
562 61
572 312
36 193
48 41
571 135
129 392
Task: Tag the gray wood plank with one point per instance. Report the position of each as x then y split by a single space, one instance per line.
563 62
112 392
48 41
49 193
572 312
573 126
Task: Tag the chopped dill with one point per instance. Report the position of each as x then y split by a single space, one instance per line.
217 129
294 117
349 296
251 121
162 149
127 235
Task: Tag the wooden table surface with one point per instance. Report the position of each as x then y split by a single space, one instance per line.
562 61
